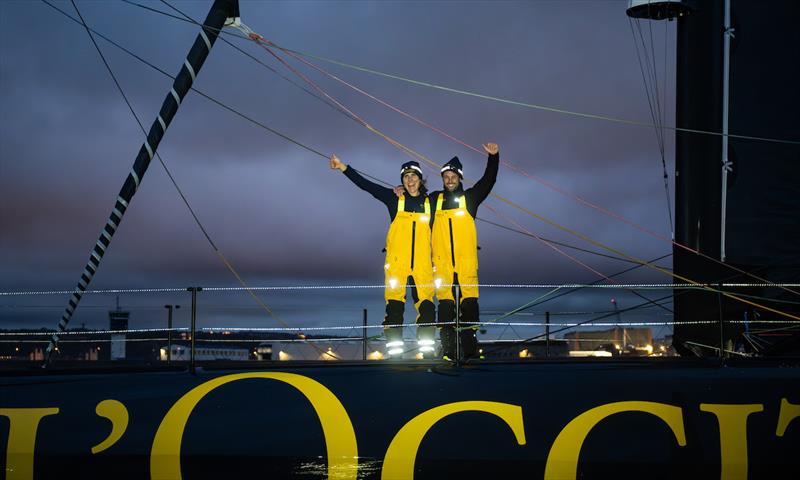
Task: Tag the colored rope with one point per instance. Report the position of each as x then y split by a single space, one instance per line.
521 171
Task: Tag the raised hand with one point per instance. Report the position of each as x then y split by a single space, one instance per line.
491 148
337 164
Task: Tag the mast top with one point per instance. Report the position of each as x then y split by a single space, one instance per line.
658 9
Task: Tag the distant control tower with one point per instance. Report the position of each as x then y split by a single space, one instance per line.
118 321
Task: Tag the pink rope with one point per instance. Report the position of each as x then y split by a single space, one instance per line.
526 174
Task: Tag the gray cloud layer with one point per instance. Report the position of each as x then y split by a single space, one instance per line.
67 140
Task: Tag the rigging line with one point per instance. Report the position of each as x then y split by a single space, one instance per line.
208 97
716 349
537 302
322 155
662 104
468 93
562 244
666 73
526 306
258 39
659 106
203 94
533 177
234 46
530 105
654 267
663 122
192 65
261 42
770 330
251 35
645 82
537 237
658 128
226 262
604 277
769 299
650 58
583 323
656 97
640 286
141 126
789 325
161 12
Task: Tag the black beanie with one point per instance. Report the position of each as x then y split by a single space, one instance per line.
455 165
410 167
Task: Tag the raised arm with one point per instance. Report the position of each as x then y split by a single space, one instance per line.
383 194
483 187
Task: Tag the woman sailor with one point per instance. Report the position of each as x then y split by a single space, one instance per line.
408 254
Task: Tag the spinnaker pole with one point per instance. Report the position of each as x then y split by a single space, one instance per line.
222 12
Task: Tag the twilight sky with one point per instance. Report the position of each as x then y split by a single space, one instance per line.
276 211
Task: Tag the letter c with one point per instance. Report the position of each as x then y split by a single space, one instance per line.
340 438
402 452
562 461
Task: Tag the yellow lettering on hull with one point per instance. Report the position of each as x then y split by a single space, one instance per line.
732 436
562 461
402 452
340 438
22 439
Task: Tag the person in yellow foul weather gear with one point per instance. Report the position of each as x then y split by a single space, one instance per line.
408 254
455 251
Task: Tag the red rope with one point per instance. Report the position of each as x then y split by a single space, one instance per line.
261 42
554 247
523 172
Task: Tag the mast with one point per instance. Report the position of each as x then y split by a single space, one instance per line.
727 33
221 13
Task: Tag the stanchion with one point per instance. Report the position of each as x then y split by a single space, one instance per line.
547 334
194 291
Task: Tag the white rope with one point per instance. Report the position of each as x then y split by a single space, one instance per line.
88 341
643 286
487 324
93 332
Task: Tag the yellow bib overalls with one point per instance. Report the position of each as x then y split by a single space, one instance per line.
455 260
455 250
408 254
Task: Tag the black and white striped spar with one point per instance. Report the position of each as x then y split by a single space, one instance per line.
221 11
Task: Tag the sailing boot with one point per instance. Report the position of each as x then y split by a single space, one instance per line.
393 329
447 313
426 334
469 323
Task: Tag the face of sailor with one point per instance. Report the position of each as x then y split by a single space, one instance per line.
450 180
412 183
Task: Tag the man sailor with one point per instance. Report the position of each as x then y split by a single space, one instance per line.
455 251
408 254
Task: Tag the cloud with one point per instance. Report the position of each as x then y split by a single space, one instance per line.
276 210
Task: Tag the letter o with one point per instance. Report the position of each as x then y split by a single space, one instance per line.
340 438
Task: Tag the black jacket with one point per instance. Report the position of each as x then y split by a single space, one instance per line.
386 195
475 195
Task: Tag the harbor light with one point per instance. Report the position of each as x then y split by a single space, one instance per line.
376 355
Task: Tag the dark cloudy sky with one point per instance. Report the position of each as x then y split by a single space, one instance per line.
280 215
